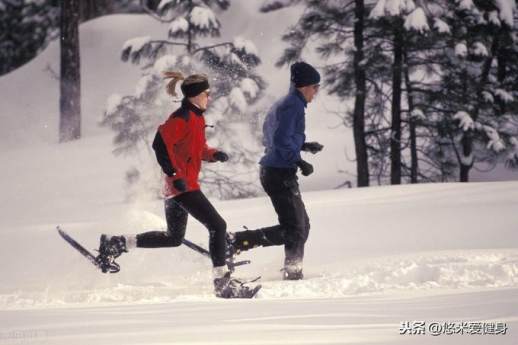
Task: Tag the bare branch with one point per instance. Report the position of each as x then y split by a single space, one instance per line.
213 46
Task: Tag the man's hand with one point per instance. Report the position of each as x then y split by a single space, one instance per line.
220 156
312 147
305 167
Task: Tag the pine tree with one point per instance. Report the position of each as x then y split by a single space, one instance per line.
403 24
235 91
473 107
26 27
414 121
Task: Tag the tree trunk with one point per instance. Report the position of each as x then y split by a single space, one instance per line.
468 161
70 81
362 163
467 149
189 30
395 135
502 53
414 168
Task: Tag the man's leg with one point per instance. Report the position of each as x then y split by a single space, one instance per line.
293 229
263 237
272 182
293 220
176 218
298 230
283 189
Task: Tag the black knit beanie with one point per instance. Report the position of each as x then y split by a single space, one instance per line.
194 89
303 74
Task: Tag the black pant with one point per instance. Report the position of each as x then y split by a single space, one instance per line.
176 212
283 189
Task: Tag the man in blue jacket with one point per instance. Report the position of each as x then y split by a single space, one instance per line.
283 139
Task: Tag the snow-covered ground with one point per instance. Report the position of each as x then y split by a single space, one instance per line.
376 257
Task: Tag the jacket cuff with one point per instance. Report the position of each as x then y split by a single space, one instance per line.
209 155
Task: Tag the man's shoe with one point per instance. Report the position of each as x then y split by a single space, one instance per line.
292 272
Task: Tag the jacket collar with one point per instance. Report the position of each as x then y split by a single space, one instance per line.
189 106
297 93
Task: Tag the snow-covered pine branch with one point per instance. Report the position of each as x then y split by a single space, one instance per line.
417 21
504 96
178 27
136 48
441 26
494 143
466 123
204 19
273 5
391 8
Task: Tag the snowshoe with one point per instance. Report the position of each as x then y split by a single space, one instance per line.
228 287
105 263
229 254
110 247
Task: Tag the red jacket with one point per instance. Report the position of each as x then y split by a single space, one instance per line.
180 146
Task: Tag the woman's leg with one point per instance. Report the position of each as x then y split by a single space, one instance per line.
200 208
176 218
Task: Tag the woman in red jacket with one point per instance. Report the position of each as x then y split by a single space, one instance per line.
180 146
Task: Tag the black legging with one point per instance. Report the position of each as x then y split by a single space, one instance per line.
177 210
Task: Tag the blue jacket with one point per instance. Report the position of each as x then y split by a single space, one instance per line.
283 131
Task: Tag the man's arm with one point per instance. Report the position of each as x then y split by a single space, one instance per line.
287 116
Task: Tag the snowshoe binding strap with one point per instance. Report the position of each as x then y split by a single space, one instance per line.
231 264
107 263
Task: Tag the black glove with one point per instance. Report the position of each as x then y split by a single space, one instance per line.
312 147
220 156
180 185
305 167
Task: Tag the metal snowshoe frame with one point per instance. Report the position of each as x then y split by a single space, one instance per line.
106 263
231 264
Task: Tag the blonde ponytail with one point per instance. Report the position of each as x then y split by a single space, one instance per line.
175 77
